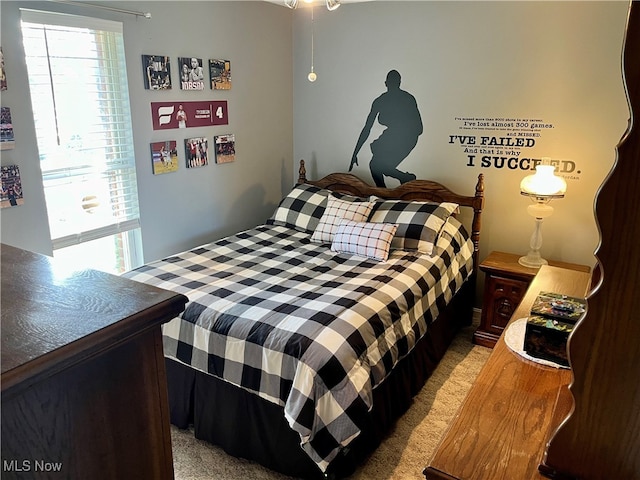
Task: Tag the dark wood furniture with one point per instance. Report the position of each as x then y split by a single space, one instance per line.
83 379
500 429
601 436
505 283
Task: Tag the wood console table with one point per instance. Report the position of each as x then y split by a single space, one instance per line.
84 391
500 431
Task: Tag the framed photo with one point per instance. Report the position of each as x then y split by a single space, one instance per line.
191 73
157 72
220 71
196 152
225 148
3 77
11 194
164 157
6 129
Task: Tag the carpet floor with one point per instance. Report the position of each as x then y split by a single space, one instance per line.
403 454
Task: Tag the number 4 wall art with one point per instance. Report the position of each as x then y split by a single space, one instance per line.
167 115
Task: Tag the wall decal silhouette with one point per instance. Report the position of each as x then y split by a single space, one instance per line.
397 110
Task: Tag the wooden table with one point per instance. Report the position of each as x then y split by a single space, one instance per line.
84 390
500 431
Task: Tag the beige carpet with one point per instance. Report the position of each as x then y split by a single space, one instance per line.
403 455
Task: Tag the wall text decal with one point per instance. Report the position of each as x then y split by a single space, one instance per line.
506 143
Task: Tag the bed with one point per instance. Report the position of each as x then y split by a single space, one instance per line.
306 337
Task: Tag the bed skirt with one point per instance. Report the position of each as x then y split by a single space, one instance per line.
247 426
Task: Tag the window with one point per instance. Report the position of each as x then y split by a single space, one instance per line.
80 100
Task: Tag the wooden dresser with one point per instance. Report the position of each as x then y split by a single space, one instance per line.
499 433
83 378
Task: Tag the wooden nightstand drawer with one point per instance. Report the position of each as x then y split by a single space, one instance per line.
501 297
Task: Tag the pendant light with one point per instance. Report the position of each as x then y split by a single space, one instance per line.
312 75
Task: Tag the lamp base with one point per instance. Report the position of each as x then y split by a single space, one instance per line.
532 260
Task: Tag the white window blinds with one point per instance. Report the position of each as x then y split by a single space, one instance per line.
80 99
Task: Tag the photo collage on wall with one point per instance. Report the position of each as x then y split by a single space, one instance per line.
6 125
192 73
10 185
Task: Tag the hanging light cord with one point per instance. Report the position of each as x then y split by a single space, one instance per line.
312 75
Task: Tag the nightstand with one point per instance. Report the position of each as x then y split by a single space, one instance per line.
505 284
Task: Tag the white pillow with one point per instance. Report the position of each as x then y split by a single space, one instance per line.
371 240
336 211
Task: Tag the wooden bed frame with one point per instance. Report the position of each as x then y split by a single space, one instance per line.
247 426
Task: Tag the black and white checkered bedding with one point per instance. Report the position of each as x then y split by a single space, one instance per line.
310 329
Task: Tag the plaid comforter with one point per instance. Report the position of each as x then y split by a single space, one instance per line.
304 327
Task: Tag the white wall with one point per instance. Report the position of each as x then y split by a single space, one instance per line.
191 206
555 61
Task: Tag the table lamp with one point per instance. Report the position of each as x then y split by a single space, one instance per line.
541 187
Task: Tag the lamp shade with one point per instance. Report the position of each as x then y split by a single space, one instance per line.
543 184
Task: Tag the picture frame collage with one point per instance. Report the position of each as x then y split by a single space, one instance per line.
192 77
164 154
10 182
157 73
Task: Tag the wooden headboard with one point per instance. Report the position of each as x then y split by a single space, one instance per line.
424 190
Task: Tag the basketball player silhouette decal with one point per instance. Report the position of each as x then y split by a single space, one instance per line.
398 111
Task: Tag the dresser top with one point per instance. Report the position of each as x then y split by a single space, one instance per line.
503 263
53 316
501 428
